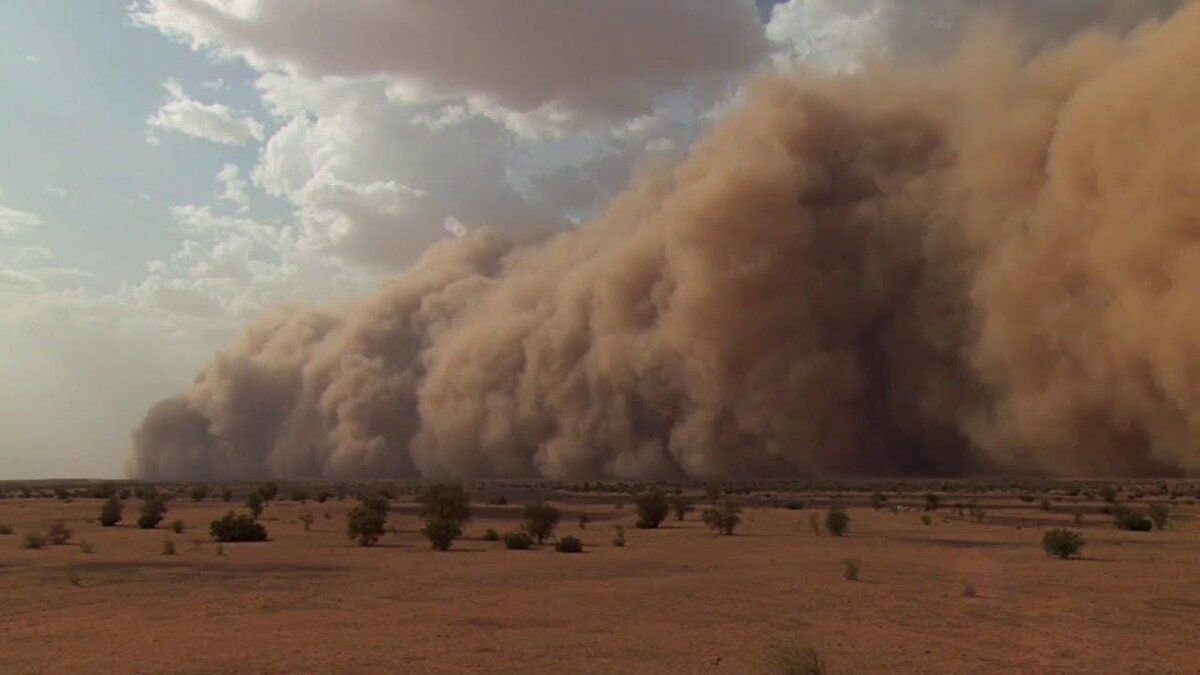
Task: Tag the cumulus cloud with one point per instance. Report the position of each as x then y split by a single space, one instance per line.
209 121
233 187
560 61
13 221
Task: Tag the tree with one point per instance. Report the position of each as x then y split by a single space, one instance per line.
837 521
1160 515
1062 542
540 520
444 501
324 496
299 496
237 527
254 502
932 502
367 521
110 512
441 533
878 500
199 492
268 491
724 518
652 509
154 508
712 492
226 493
681 506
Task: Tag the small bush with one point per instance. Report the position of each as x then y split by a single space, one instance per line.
969 591
1062 542
1109 494
925 519
724 518
618 539
255 503
368 521
569 544
110 512
168 546
226 494
220 549
793 506
154 507
814 523
1160 515
1045 504
199 492
177 526
237 527
441 533
491 535
932 502
850 569
584 519
540 520
878 500
1078 520
307 519
681 506
443 501
1128 519
6 528
794 660
652 509
268 491
86 546
73 577
299 496
1026 498
837 521
58 534
517 541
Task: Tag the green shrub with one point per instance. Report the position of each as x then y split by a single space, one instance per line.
925 519
443 501
681 506
724 518
6 528
618 539
540 520
110 512
199 492
1160 515
268 491
441 533
837 521
154 507
517 541
850 568
652 508
177 526
33 539
491 535
237 527
255 501
1127 519
58 534
1062 542
226 494
794 660
367 521
569 544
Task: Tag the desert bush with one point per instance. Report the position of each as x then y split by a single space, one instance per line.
255 502
220 549
491 535
793 506
58 534
814 523
712 492
110 512
794 660
850 568
1045 504
33 539
1160 515
1026 497
925 519
367 521
86 546
323 496
237 527
268 491
443 501
168 546
932 502
154 508
681 506
199 492
177 526
724 518
6 528
1062 542
307 519
62 493
569 544
540 520
73 577
618 539
441 533
584 519
1078 519
1127 519
837 521
652 508
1108 493
878 500
226 494
517 540
299 496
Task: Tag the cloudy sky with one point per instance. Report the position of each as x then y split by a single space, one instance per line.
171 168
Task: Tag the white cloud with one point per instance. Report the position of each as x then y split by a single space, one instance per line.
212 122
55 191
13 221
233 186
828 35
218 83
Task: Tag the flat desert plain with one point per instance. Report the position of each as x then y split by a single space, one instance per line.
678 599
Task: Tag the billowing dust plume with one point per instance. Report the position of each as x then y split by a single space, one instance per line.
991 264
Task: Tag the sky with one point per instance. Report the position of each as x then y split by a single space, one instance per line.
171 169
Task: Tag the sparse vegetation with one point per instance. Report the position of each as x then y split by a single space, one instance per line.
367 521
33 539
850 568
517 540
837 521
878 500
724 518
925 519
1160 515
540 520
1062 542
177 526
652 508
58 534
237 527
110 512
73 577
307 519
255 502
6 528
441 533
681 506
618 539
220 549
299 496
199 492
154 508
168 546
932 502
794 660
569 544
491 535
584 519
226 494
1128 519
268 491
86 546
443 501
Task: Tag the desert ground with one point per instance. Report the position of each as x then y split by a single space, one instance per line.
677 599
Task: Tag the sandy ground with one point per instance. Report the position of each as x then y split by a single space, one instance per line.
674 600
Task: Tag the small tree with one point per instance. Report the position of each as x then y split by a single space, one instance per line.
712 492
878 500
1160 515
199 492
153 510
268 491
58 534
652 508
255 502
837 521
540 520
932 502
441 533
299 496
724 518
1109 494
367 521
1126 518
681 506
177 526
237 527
110 512
226 493
1062 542
569 544
324 496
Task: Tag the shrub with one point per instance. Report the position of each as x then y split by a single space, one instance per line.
618 539
794 660
268 491
6 528
1078 518
237 527
652 509
73 577
1045 504
712 492
681 506
837 521
540 520
517 541
299 496
58 534
1127 519
367 521
255 502
724 518
177 526
1062 542
110 512
226 494
307 519
441 533
442 501
1027 498
33 539
850 568
199 492
491 535
569 544
1109 494
793 506
969 591
878 500
1160 515
220 549
932 502
323 496
86 546
153 510
168 546
925 519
